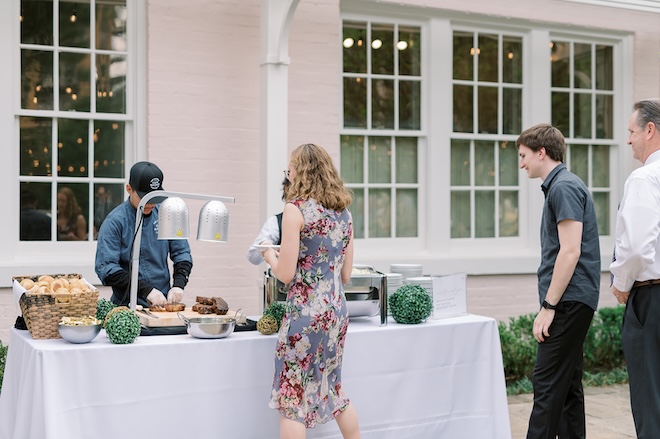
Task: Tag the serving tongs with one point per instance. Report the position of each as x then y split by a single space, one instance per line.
145 311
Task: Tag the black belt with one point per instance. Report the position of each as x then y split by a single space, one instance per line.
646 283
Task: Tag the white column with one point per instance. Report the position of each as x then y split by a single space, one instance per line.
276 18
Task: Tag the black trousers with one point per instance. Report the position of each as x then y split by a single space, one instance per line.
557 378
641 347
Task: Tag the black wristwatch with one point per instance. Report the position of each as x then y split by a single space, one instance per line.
546 305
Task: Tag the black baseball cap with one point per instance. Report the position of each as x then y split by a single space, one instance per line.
146 177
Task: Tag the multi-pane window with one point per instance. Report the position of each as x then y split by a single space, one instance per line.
73 116
382 93
582 108
382 172
487 117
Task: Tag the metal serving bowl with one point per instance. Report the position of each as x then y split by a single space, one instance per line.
79 333
209 327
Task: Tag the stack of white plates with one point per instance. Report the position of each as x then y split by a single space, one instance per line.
394 281
425 282
407 270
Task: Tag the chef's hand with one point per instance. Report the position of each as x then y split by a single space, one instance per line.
175 295
155 297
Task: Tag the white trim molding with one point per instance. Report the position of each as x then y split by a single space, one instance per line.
638 5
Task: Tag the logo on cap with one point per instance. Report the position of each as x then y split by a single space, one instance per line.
154 183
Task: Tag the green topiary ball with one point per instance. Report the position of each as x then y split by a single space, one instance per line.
103 307
410 304
277 310
123 327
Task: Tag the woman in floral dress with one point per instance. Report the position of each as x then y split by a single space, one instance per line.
315 260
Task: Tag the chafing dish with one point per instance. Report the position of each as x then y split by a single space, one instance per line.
366 292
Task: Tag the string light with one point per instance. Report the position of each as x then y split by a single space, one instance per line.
402 45
348 42
376 44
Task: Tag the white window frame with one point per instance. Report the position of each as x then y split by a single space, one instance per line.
614 191
437 251
383 244
475 136
39 257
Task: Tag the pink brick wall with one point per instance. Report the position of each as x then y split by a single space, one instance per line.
203 122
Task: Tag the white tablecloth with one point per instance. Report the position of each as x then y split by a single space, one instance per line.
440 379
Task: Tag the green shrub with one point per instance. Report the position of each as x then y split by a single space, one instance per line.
518 347
602 347
603 350
3 362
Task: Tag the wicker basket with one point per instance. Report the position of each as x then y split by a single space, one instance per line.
43 312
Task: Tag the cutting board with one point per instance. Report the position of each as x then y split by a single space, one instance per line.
172 319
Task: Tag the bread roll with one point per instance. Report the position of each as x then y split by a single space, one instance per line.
27 283
46 278
57 284
62 290
43 290
75 290
34 289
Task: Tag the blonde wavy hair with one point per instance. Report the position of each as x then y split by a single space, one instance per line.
317 178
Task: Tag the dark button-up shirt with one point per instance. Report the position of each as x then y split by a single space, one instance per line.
568 198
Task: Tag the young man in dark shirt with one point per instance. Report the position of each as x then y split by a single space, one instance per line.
568 283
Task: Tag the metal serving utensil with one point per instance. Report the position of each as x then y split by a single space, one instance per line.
144 310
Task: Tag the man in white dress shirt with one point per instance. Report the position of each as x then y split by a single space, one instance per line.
636 270
270 232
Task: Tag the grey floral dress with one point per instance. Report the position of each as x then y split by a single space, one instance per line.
310 344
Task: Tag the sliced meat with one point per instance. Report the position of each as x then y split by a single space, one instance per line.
203 308
221 305
175 307
204 300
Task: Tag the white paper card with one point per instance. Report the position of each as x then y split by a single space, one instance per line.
449 295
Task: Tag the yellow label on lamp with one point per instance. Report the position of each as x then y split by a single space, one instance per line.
217 236
179 233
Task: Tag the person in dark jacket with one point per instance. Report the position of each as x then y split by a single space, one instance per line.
115 243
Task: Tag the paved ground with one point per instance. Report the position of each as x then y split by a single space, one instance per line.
607 410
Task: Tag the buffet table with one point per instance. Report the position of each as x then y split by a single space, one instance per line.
443 378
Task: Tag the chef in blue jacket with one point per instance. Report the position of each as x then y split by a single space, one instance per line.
115 243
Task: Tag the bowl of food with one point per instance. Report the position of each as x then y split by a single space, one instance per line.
209 327
79 329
